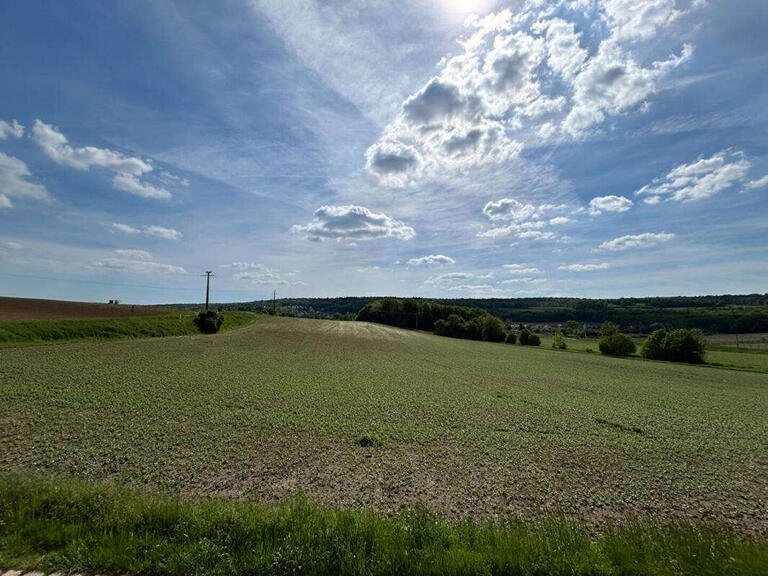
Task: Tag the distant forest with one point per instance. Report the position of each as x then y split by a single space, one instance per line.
723 314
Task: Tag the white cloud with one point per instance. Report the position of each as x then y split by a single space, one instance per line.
431 260
352 223
138 261
446 280
702 178
13 129
759 183
646 240
526 221
471 288
585 267
150 230
127 169
14 245
134 254
523 78
15 184
611 203
521 269
525 280
261 274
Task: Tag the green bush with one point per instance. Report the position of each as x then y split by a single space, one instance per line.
452 327
653 348
528 338
493 329
558 342
511 338
209 321
680 345
617 344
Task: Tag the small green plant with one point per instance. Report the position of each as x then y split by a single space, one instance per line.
209 321
367 441
511 338
558 342
528 338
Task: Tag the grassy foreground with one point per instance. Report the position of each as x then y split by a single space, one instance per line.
171 324
83 528
281 407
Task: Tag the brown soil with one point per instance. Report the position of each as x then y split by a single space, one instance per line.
35 309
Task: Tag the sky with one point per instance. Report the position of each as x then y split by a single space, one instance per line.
435 148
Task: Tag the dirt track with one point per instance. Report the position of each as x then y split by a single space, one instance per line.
34 309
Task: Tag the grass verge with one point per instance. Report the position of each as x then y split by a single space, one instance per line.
84 528
172 324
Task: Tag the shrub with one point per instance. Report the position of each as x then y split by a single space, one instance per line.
680 345
609 329
558 342
511 338
653 347
524 335
493 329
534 340
617 344
209 321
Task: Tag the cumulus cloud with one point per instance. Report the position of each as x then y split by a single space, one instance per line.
15 184
527 77
12 128
611 203
759 183
150 230
431 260
702 178
521 269
526 221
138 261
351 223
263 275
127 169
585 267
646 240
451 279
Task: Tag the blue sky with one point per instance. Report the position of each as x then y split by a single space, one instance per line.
445 148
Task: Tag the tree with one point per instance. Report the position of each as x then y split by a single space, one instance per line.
209 321
653 348
534 339
493 329
453 327
573 328
558 342
684 345
608 329
617 344
525 334
511 338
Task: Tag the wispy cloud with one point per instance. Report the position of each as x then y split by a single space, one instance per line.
630 241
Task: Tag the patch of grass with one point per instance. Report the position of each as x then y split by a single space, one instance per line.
82 528
367 441
469 428
172 324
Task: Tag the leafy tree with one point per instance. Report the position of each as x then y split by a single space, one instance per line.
493 329
558 342
608 329
209 321
453 327
511 338
573 328
528 338
525 334
684 345
653 348
617 344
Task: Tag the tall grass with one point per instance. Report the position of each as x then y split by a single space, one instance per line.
172 324
78 527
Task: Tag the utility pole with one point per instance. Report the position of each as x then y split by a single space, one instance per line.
208 275
274 302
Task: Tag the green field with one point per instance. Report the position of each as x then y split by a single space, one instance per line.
177 323
280 407
753 360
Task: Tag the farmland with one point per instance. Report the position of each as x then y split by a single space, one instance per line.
36 309
366 416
